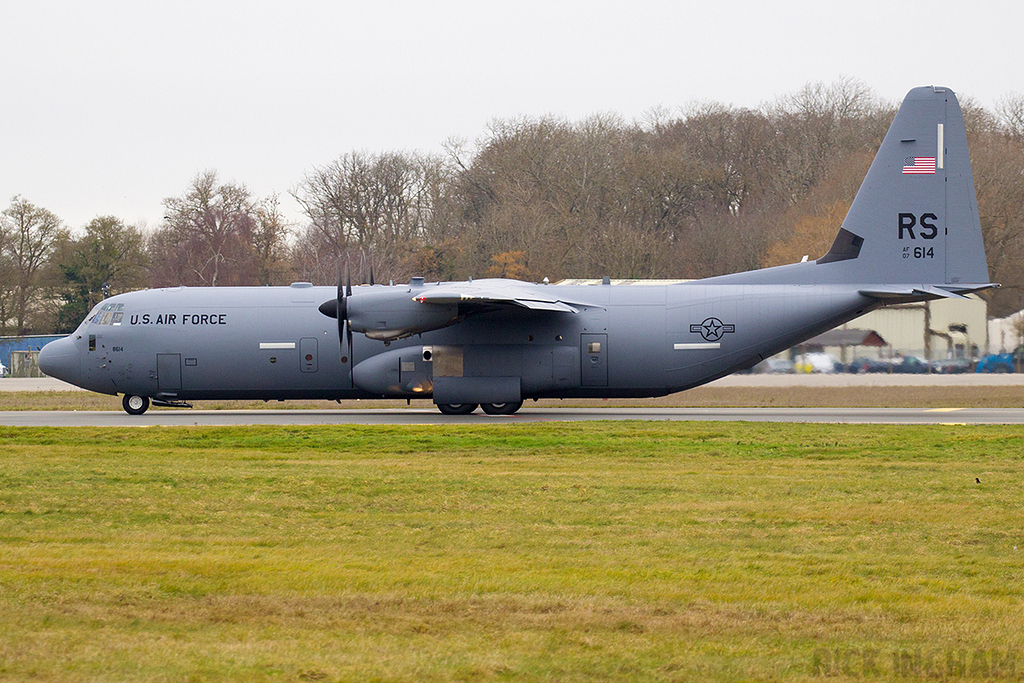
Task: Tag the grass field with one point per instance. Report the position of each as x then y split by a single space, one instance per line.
625 551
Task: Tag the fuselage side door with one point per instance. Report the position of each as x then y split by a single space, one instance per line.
168 372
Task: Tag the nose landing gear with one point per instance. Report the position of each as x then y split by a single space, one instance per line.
135 405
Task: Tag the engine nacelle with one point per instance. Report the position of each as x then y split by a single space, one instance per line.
401 373
390 313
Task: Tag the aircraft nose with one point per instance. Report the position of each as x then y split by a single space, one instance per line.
60 359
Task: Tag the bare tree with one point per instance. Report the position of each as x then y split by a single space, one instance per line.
1011 114
818 125
217 234
997 158
600 196
371 211
8 281
29 235
269 242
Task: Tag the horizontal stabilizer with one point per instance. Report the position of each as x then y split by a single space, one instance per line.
929 292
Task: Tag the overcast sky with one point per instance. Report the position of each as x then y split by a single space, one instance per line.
109 107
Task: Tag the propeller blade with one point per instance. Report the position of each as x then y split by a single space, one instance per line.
348 339
338 308
341 310
341 307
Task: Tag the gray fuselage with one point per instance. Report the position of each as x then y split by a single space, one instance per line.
273 342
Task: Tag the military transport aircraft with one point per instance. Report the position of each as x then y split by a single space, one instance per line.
912 234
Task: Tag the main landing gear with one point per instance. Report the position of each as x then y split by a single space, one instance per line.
489 408
456 408
501 408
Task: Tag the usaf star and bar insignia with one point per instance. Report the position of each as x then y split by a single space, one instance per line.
712 329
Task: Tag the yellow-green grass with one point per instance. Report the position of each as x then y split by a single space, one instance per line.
779 397
626 551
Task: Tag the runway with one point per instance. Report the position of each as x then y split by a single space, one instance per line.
10 384
171 417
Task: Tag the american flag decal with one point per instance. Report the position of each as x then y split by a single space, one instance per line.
919 166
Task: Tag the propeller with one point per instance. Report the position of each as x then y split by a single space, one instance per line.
338 308
344 328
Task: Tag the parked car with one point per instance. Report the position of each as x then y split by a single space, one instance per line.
911 365
864 365
775 366
952 366
818 362
1002 362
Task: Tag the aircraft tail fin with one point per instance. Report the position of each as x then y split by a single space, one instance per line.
915 217
913 230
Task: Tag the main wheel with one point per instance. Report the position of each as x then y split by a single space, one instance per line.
135 405
456 408
501 408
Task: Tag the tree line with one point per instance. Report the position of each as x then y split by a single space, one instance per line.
710 190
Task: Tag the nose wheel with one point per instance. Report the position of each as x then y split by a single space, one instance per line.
135 405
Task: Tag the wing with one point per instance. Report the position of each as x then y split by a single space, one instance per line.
490 293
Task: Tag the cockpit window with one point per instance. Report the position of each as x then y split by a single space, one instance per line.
107 314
